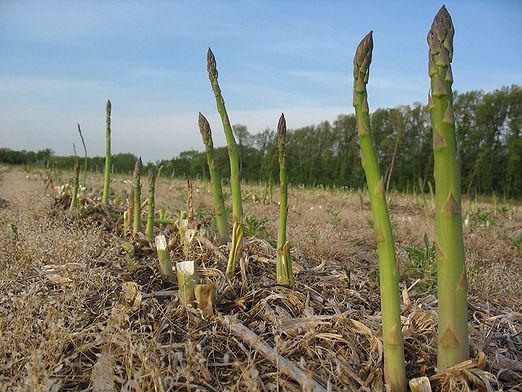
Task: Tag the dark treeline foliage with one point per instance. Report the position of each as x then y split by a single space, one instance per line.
488 127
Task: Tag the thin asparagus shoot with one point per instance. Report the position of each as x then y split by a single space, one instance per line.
284 272
107 175
235 176
75 185
150 204
394 371
85 158
215 180
136 227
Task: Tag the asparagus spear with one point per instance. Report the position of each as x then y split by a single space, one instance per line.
453 341
150 203
107 178
85 159
284 263
136 228
75 185
394 372
235 176
235 179
215 180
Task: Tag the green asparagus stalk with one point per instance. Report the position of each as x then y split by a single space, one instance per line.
187 280
150 203
75 185
126 223
128 216
235 249
107 178
284 263
235 176
164 259
215 180
453 341
394 371
136 228
85 159
235 179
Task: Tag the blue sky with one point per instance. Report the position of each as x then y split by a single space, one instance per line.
61 60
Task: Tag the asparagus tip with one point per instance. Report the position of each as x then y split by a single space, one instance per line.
204 128
441 29
281 131
211 64
364 47
109 105
281 125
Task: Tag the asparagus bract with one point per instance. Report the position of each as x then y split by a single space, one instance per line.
453 341
394 372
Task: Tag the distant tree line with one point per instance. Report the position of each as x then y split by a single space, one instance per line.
488 129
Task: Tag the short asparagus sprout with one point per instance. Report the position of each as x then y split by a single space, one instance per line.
186 234
75 185
394 371
187 279
136 228
107 175
126 223
284 272
128 220
163 257
150 203
215 180
453 340
190 201
420 384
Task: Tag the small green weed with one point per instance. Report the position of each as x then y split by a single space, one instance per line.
16 235
422 266
256 227
335 215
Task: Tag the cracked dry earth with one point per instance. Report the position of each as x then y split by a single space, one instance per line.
77 312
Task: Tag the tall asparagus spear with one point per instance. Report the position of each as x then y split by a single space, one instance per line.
107 178
150 204
453 346
235 179
394 372
215 180
136 228
284 263
235 176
